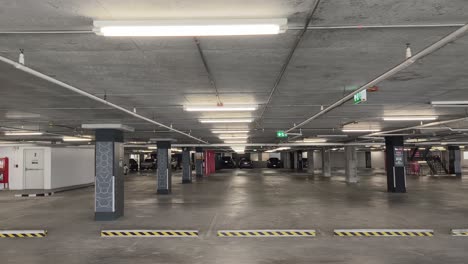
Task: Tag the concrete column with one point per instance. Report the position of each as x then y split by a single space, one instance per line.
310 162
142 158
295 164
186 166
454 165
395 164
199 162
164 170
326 162
109 181
351 164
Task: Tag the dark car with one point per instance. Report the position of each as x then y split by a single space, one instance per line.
148 164
274 163
133 165
227 162
245 163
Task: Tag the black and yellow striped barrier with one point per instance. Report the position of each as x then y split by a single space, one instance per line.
267 233
459 232
384 232
23 233
149 233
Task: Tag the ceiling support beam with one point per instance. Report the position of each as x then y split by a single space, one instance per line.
40 75
405 64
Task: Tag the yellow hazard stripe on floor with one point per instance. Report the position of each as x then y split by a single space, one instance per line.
22 234
149 233
459 232
267 233
384 232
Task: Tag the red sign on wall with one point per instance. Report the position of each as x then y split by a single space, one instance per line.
4 172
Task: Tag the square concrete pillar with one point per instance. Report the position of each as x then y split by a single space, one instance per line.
164 170
186 166
109 185
326 162
310 162
351 164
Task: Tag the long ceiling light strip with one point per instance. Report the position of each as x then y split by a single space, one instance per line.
212 27
234 120
360 130
23 133
229 131
410 118
228 108
449 103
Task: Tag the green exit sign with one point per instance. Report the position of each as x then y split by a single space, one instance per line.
281 134
360 97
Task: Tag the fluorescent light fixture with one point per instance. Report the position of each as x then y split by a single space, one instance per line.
449 103
312 140
152 147
193 27
234 120
229 131
108 126
235 141
360 130
77 139
414 140
332 136
409 118
224 108
277 149
233 137
23 133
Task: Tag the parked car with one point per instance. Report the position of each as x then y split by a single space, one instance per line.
245 163
274 163
148 164
227 162
133 165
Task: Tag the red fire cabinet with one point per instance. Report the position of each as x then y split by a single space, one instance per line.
4 172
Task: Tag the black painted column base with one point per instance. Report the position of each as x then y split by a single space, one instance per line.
163 191
186 181
103 216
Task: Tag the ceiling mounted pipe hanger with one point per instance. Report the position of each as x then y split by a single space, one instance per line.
405 64
208 71
288 59
93 97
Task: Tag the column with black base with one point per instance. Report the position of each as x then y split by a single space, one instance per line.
454 165
186 166
395 164
199 162
164 167
109 185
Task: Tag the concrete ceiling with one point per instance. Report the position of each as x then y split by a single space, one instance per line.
158 76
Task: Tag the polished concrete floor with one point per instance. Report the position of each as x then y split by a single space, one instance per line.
246 199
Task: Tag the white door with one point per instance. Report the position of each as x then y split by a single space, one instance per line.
34 169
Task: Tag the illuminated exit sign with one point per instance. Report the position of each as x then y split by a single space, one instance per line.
360 97
281 134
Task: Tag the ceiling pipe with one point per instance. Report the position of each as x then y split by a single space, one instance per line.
288 59
303 144
405 64
388 133
91 96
